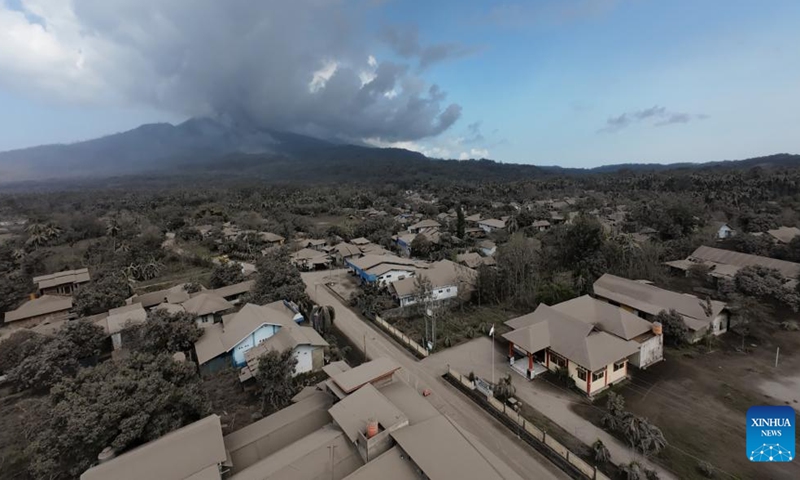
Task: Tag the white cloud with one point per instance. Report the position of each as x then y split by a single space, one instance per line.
474 153
322 76
372 62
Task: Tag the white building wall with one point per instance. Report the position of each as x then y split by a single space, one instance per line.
442 293
303 354
262 333
650 351
392 276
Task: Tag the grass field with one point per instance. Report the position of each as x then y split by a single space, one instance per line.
699 399
458 325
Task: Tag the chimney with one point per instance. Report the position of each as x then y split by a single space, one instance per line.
33 296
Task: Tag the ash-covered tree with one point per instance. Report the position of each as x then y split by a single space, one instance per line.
14 289
18 346
163 333
277 280
676 333
87 337
105 291
48 361
421 246
461 223
275 377
226 274
118 404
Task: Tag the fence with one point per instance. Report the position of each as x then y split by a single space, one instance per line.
536 437
401 337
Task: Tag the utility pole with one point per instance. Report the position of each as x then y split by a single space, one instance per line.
777 353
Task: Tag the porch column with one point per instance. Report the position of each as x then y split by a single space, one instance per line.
530 361
510 349
588 382
606 374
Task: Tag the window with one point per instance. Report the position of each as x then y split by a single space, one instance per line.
598 375
558 360
619 365
582 374
448 290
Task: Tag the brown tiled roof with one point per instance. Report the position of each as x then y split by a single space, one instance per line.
44 305
192 452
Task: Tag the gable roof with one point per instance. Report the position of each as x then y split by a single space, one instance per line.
271 237
206 303
576 340
435 439
194 451
652 300
540 223
44 305
443 273
347 250
716 255
493 222
176 294
428 223
307 254
369 261
219 338
352 412
119 318
235 289
353 379
475 217
359 241
607 317
784 234
80 275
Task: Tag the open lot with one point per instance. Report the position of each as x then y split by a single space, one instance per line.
699 400
456 326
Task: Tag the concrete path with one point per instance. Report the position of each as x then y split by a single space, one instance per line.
550 400
526 462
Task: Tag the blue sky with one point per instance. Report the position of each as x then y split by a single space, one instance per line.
556 82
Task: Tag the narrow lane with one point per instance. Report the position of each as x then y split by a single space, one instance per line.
524 460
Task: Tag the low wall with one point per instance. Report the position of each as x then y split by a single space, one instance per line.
401 337
550 447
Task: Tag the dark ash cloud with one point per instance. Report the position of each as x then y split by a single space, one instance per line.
659 116
302 66
405 42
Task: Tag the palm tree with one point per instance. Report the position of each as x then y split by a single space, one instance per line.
322 318
601 453
112 230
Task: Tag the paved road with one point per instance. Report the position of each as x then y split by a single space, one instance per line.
475 355
525 461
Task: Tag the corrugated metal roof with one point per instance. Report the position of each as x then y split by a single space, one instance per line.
44 305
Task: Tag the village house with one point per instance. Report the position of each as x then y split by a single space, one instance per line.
448 280
361 423
725 263
647 301
382 270
492 224
541 225
306 344
273 239
344 251
783 235
233 293
226 343
549 339
723 231
119 319
360 242
473 219
474 260
174 295
556 218
45 309
310 259
61 283
207 307
422 225
487 247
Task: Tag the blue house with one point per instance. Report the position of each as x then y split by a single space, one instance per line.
380 269
225 344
